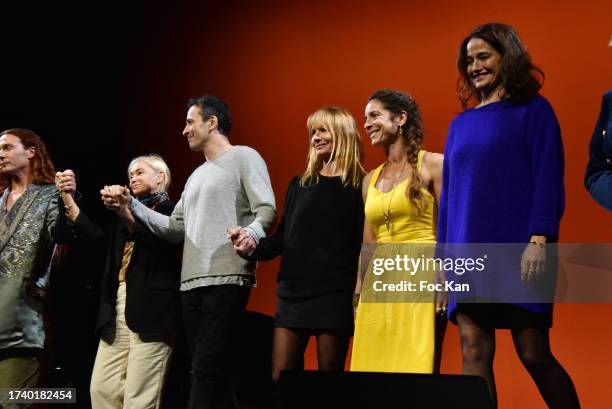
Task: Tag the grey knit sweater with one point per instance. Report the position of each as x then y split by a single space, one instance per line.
232 190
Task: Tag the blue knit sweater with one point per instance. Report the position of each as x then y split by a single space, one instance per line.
503 177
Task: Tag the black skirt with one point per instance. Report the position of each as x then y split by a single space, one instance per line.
504 316
332 311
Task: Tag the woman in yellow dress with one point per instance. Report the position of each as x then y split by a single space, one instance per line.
392 335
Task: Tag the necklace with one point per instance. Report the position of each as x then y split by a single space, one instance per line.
387 214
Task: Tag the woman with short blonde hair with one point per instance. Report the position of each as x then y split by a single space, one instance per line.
139 298
156 163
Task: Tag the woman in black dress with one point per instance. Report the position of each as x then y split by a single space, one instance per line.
319 238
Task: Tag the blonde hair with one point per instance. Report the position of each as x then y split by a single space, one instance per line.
347 150
157 164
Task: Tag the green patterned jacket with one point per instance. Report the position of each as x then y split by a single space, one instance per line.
26 247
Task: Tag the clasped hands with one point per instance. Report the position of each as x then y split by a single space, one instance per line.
66 182
243 242
117 198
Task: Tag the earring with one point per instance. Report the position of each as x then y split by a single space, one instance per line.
400 131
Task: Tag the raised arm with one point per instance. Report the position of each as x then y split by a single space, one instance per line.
170 228
70 222
121 195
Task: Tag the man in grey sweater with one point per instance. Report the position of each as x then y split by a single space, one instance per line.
232 188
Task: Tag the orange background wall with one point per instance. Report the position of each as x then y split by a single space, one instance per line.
275 63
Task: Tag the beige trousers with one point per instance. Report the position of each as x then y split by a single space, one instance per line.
130 368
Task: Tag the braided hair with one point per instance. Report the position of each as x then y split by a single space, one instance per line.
397 102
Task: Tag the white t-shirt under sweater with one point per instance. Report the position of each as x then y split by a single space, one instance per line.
231 190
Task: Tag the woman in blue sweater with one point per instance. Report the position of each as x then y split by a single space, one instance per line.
503 183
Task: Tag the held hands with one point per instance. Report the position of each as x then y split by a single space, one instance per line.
66 181
533 260
243 242
116 198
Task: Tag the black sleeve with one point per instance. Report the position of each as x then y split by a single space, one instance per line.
360 219
81 229
270 247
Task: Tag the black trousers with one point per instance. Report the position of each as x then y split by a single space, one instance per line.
212 318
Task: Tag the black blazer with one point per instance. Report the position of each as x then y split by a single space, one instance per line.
152 279
598 178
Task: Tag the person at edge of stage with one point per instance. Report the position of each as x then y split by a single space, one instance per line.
503 183
598 177
29 231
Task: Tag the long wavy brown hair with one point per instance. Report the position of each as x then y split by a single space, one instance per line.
520 78
42 169
397 102
42 172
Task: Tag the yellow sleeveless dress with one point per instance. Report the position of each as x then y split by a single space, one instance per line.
396 336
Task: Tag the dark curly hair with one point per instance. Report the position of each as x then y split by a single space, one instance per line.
397 102
520 78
